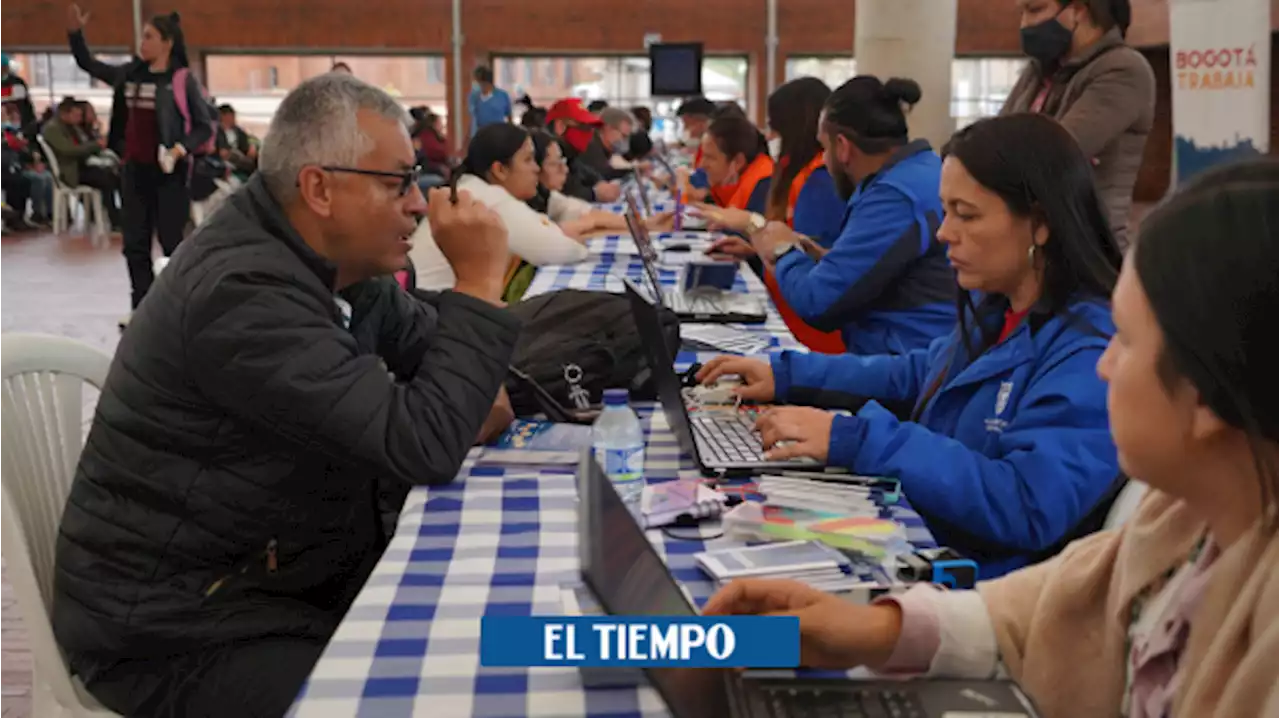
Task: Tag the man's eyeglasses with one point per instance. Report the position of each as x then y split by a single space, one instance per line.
408 178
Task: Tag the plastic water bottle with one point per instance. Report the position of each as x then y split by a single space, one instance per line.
618 442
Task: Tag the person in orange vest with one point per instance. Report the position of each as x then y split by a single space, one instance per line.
885 283
801 194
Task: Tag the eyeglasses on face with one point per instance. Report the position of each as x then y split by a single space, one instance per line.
408 178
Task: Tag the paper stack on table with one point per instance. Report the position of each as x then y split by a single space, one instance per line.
809 562
845 516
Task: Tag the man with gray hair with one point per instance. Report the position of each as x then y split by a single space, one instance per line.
610 140
225 511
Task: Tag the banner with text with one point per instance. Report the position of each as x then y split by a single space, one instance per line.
1220 51
706 642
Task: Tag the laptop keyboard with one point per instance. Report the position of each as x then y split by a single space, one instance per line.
813 703
726 437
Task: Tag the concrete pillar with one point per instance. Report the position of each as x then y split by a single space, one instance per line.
915 39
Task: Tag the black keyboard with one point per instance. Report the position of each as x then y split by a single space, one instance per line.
817 703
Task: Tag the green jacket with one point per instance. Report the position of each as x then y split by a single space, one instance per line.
68 152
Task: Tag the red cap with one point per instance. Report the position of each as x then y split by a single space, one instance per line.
572 109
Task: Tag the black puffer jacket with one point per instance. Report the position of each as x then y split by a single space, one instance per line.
229 484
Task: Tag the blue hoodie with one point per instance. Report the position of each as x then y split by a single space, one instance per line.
886 283
1011 452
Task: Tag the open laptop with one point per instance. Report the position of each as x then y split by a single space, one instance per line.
721 442
628 578
712 306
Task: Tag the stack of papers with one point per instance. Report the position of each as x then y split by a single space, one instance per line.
664 504
824 496
869 537
809 562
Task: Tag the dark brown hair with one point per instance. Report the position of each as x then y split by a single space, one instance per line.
737 136
1206 261
793 112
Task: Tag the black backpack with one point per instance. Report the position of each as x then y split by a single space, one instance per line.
574 345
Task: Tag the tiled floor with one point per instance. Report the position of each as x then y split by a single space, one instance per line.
54 286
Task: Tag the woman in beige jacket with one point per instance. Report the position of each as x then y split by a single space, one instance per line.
1174 613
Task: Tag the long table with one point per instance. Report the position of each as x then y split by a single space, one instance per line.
502 541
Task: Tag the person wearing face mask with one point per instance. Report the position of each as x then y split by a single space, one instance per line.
801 194
569 119
487 104
885 283
501 172
1005 452
1104 92
604 151
735 158
576 217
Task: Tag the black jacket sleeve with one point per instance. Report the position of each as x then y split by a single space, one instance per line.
273 355
596 156
97 69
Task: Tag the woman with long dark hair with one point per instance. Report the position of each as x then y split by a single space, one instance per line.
1006 452
1173 611
500 171
151 136
801 194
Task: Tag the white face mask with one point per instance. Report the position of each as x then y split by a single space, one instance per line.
775 147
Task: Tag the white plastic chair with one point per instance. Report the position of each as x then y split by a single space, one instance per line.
43 423
66 198
1126 503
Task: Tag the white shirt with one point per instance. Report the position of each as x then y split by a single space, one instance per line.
563 208
531 235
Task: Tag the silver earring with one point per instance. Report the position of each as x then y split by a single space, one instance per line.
1031 253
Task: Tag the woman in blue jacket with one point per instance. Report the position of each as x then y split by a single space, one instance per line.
1008 448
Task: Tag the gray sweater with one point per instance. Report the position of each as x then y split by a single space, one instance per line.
1105 96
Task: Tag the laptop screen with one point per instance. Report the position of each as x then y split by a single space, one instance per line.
628 578
648 253
662 359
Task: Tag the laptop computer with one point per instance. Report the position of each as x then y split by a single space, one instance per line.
626 576
711 306
723 443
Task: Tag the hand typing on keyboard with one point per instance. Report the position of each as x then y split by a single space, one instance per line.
756 375
788 432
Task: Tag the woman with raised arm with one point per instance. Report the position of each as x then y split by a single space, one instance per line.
150 134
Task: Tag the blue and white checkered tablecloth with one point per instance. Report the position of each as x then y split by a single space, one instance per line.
500 541
615 256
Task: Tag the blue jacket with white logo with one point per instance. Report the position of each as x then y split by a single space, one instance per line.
1012 450
886 283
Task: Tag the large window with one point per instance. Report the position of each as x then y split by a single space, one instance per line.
623 82
255 84
979 85
52 76
834 71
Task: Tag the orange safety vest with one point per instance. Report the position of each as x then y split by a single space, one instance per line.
816 340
